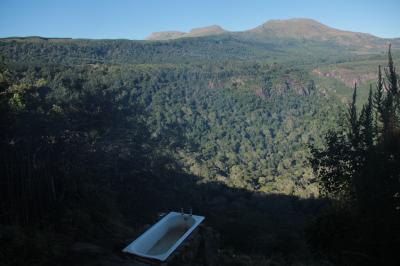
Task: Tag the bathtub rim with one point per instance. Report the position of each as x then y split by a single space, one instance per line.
163 256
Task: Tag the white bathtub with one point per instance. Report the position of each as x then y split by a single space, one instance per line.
159 241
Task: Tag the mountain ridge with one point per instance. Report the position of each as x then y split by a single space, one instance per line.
298 41
298 24
297 28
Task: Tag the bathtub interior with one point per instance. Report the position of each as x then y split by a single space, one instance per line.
165 236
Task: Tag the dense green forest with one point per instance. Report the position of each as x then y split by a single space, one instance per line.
246 125
186 50
97 137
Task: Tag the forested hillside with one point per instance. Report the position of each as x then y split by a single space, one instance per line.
93 146
186 50
246 125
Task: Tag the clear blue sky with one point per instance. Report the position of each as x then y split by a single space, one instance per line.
135 19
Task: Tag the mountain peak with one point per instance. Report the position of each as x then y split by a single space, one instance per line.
213 29
196 32
304 28
308 21
296 27
165 35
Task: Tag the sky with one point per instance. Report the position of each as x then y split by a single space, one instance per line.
136 19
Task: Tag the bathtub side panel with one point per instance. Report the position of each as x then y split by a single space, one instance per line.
148 239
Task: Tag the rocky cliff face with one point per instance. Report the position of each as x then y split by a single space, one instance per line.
347 76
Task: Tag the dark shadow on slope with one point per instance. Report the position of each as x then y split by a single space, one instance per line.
252 223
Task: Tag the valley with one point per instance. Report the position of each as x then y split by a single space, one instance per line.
96 132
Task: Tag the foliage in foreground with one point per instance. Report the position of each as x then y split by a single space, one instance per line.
360 170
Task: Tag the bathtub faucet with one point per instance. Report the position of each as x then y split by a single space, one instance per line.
190 212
